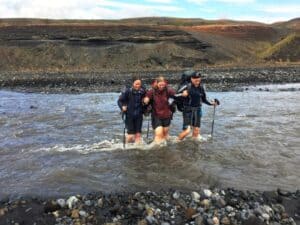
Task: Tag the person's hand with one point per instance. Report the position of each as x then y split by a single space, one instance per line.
215 102
146 100
185 93
124 108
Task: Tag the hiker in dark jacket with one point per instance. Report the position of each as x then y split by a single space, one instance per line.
131 104
161 115
194 95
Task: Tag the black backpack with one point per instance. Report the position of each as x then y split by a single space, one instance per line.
184 82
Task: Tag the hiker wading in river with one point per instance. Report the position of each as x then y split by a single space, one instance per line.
195 95
161 114
131 104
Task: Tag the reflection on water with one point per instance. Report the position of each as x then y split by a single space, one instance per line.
61 144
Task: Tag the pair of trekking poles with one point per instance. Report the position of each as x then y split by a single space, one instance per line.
148 124
124 130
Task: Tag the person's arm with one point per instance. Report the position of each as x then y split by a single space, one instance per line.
204 99
123 100
148 97
171 93
182 89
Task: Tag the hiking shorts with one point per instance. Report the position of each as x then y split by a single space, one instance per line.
134 124
157 122
192 118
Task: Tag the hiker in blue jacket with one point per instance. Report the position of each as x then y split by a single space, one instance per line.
131 104
194 95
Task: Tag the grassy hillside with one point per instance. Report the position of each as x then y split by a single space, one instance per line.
285 50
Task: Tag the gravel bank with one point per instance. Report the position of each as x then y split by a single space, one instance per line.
216 79
202 207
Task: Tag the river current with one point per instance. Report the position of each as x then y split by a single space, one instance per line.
58 144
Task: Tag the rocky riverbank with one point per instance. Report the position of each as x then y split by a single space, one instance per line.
216 79
204 207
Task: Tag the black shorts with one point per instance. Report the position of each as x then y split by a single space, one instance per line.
192 118
157 122
134 124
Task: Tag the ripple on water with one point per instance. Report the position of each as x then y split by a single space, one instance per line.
75 143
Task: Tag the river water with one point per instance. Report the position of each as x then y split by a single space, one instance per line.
61 144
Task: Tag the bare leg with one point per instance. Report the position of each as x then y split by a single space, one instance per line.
184 133
138 138
130 138
196 132
166 133
158 135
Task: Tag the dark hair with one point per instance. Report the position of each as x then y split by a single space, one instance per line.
134 78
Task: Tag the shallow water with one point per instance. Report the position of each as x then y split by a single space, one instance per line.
56 144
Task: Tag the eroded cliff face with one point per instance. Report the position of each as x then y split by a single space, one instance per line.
99 46
85 48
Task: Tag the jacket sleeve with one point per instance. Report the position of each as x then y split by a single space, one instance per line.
123 99
171 93
149 94
204 99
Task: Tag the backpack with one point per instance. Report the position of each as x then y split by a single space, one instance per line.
184 83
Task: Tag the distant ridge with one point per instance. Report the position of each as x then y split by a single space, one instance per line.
149 43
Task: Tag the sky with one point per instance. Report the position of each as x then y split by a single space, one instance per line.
266 11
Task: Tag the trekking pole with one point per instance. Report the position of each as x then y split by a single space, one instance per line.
124 131
148 125
213 121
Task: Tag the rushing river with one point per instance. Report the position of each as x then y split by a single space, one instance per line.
56 144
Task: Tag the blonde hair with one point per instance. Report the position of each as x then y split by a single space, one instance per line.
160 79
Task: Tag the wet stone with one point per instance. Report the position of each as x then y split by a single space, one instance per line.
229 208
220 203
216 221
61 202
165 223
190 212
75 214
205 203
199 220
195 196
151 220
207 193
142 222
2 212
88 203
176 195
253 220
83 213
72 201
225 221
51 207
100 202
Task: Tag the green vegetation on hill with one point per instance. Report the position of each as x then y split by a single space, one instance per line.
285 50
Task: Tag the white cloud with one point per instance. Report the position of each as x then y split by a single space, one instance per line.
160 1
280 9
78 9
237 1
199 2
263 19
